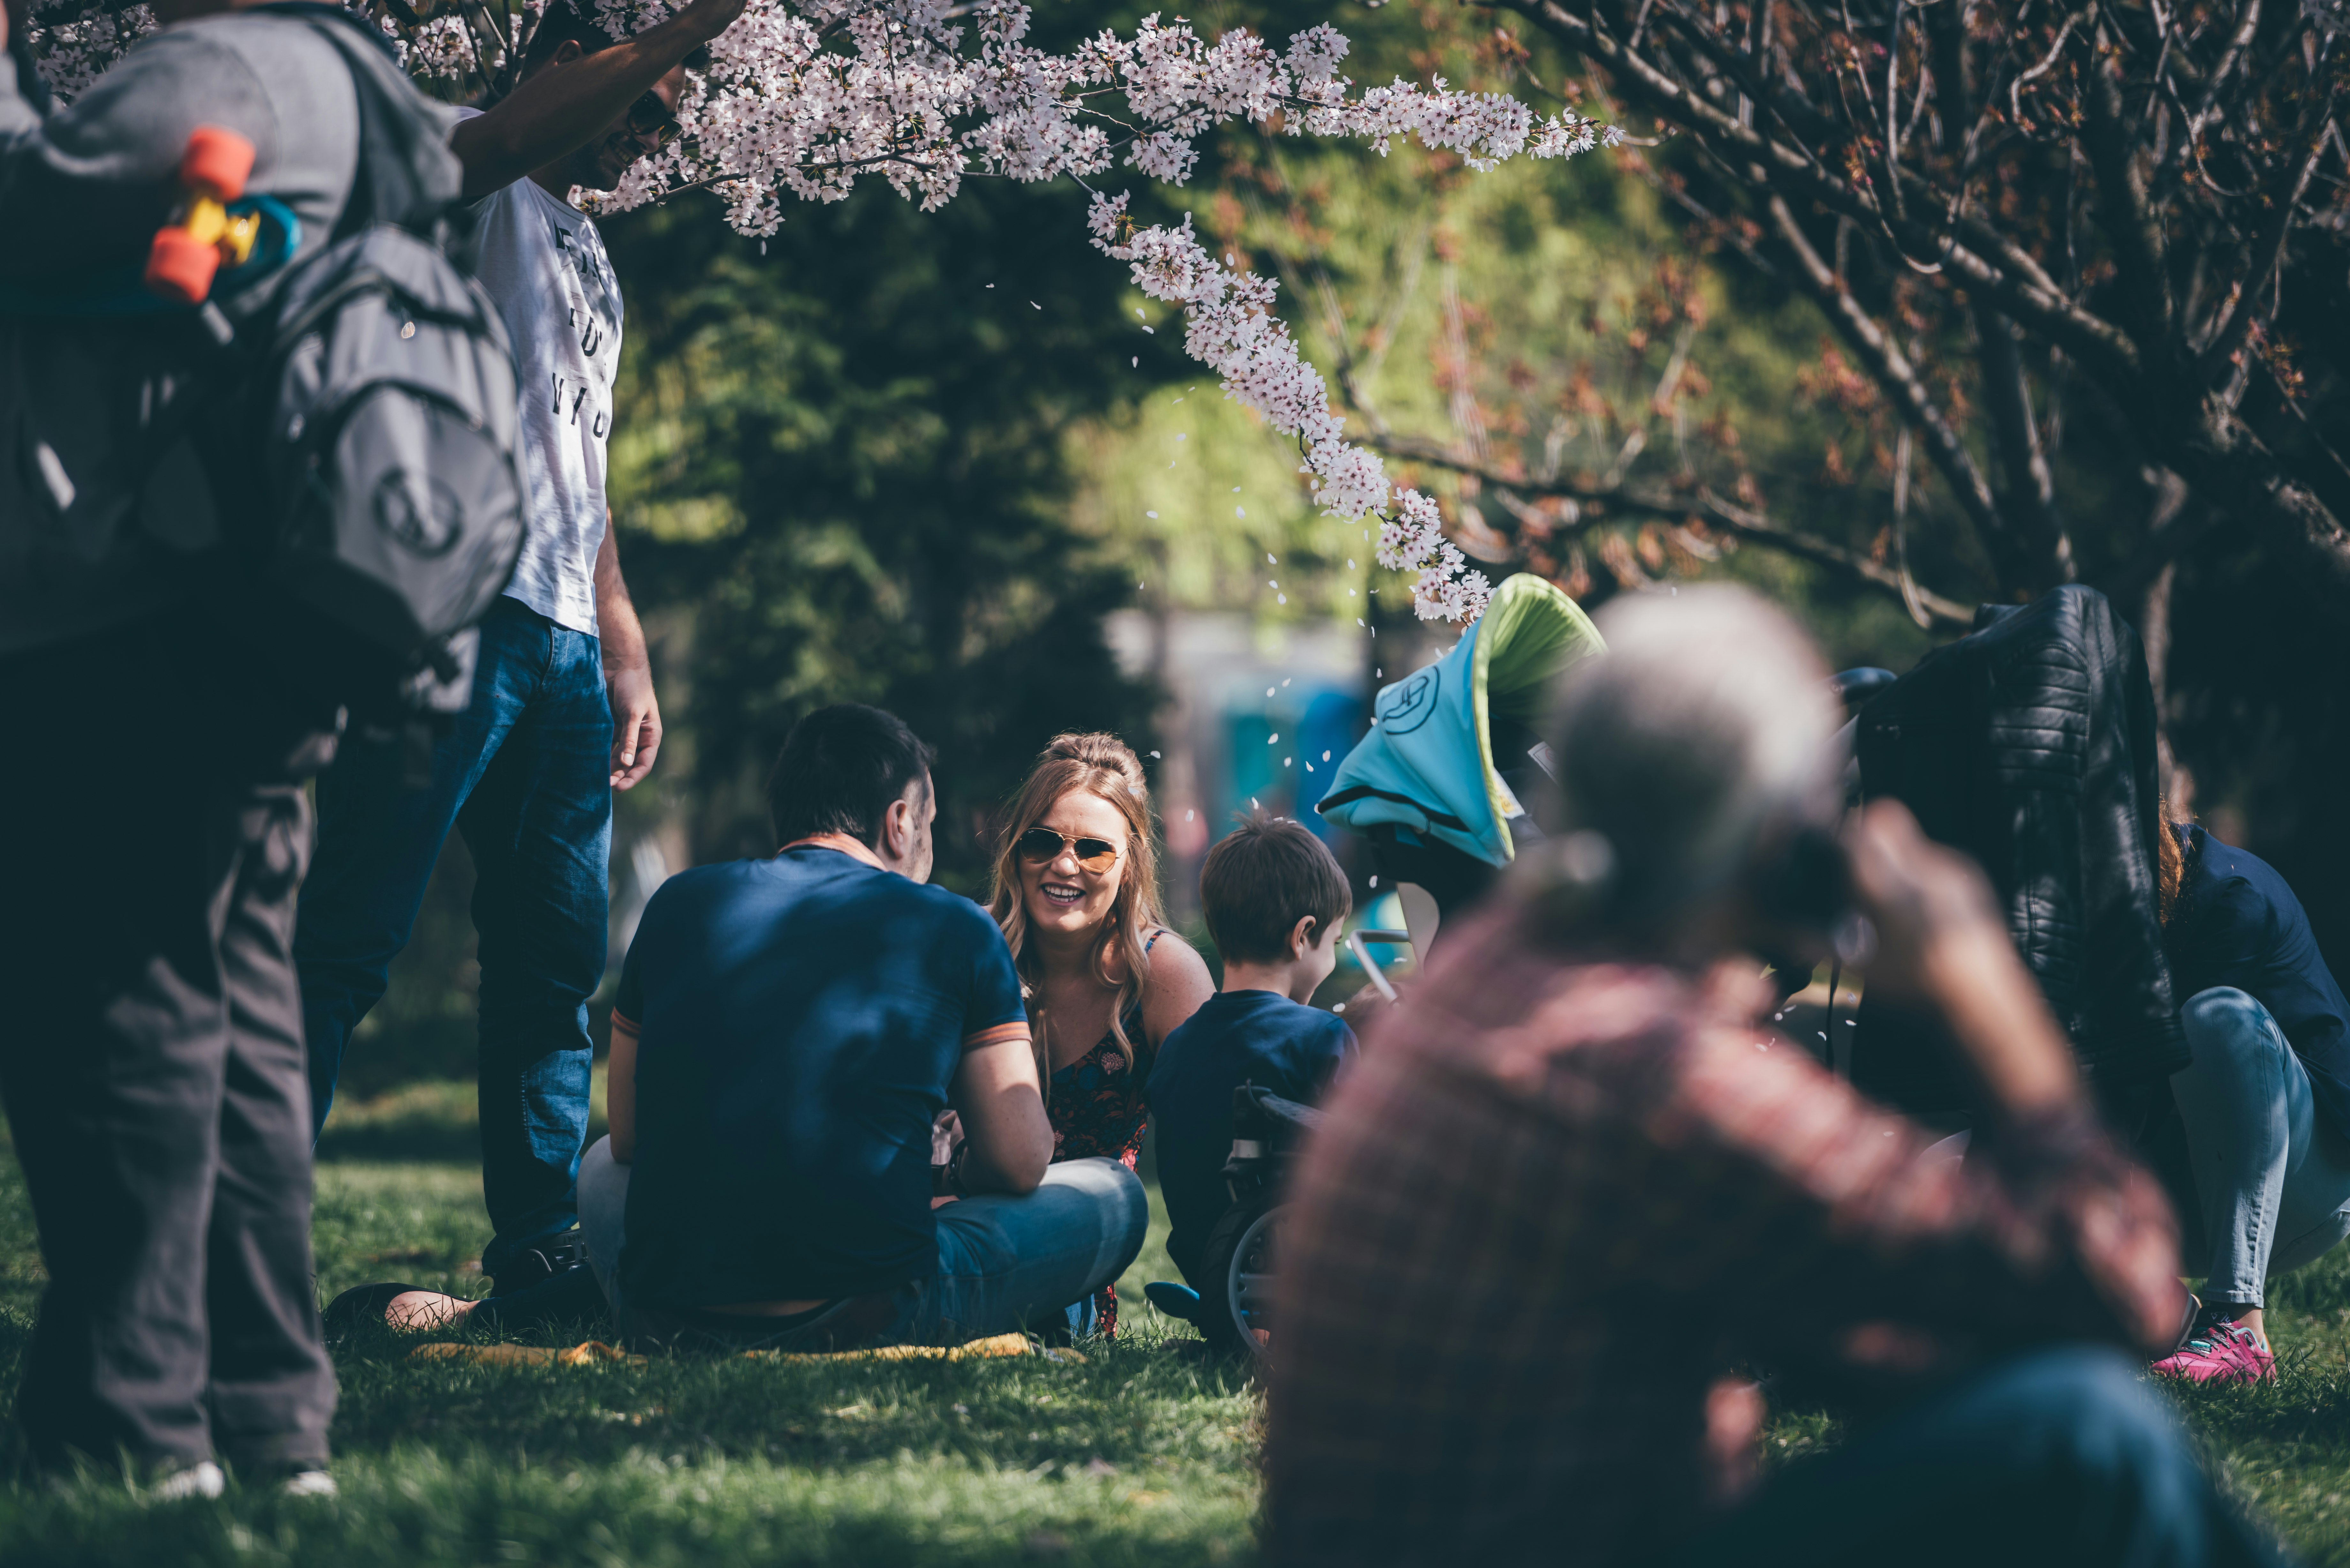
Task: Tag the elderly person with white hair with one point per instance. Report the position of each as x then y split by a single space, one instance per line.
1575 1192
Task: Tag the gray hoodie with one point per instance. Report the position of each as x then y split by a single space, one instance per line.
98 526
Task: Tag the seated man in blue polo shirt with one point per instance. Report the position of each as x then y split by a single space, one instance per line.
786 1036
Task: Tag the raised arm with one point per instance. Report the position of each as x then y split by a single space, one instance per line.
569 101
996 1094
1861 1247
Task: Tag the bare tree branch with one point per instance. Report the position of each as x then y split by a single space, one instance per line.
1599 501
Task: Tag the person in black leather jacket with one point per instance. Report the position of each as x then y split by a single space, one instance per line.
2030 745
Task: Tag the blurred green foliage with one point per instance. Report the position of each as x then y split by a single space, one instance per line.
915 459
839 477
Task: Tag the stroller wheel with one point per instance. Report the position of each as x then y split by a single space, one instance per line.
1249 1285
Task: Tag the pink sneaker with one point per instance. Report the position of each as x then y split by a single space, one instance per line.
2218 1350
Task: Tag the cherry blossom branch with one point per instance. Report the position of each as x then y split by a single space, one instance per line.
802 97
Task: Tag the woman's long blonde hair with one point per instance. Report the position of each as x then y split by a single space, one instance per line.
1104 766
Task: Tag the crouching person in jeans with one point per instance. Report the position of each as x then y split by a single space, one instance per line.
787 1034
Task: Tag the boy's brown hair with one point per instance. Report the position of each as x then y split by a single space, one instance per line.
1261 879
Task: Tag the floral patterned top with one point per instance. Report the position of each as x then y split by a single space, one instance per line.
1098 1111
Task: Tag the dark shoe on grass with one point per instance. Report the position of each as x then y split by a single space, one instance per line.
568 1295
537 1264
1178 1302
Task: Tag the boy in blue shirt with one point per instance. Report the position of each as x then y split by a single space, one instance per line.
1275 900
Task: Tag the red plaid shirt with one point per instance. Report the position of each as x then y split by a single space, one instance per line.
1556 1205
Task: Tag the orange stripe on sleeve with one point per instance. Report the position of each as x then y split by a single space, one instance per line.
1002 1033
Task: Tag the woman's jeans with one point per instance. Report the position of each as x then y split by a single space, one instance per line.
1005 1263
525 774
2273 1179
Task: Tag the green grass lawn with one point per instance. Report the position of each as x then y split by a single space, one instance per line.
1140 1454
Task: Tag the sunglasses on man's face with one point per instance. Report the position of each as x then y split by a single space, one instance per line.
651 116
1042 845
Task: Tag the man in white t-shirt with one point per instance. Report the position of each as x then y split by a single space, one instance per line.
563 709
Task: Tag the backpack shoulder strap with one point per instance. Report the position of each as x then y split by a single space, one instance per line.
406 176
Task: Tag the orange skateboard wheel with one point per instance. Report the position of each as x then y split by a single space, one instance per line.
180 266
218 160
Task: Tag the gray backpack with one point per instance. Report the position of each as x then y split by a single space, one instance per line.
324 460
379 409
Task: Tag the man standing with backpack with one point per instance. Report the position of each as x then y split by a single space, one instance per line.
563 709
153 1071
155 1077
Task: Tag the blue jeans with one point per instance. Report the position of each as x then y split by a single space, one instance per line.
2059 1457
2273 1179
1005 1263
525 774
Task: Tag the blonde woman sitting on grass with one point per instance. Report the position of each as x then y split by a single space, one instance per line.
1075 893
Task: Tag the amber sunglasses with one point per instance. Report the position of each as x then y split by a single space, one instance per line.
1042 845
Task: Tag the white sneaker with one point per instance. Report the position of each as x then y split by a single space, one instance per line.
197 1481
309 1483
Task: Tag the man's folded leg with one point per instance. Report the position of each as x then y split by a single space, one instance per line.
2060 1455
1005 1262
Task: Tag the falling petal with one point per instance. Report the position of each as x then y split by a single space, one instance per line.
1150 515
1154 754
1375 881
1286 761
1272 738
1189 814
1281 598
1325 756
